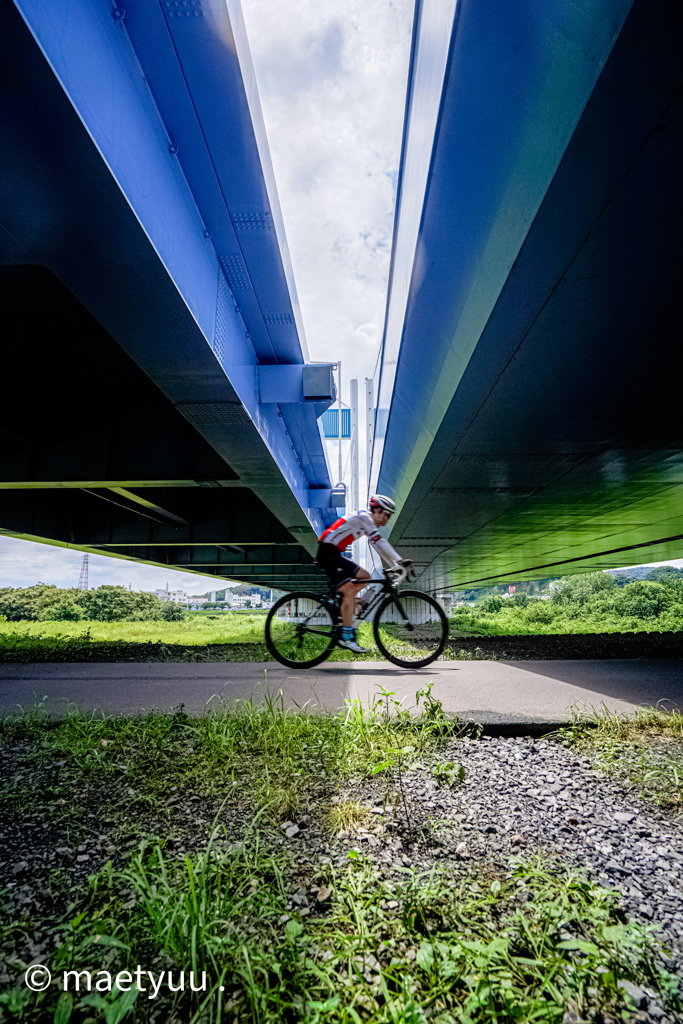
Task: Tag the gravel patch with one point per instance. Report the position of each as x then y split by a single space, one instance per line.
519 797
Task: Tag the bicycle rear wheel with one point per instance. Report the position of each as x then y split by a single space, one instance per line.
410 629
300 630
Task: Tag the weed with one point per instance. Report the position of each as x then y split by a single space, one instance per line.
450 774
348 816
198 904
279 800
462 655
617 725
643 748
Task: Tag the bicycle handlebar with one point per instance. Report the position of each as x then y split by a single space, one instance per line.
395 575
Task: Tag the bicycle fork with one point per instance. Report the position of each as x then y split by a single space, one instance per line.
406 621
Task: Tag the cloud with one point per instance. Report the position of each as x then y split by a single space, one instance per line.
332 81
303 62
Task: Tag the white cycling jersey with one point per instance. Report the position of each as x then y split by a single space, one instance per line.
359 524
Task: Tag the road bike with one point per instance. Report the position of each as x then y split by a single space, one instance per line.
410 628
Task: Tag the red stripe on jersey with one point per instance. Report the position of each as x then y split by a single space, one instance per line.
331 529
339 525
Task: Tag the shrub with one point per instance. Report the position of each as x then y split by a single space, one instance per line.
643 600
61 611
581 588
143 607
109 604
105 604
15 605
31 602
172 612
492 604
539 612
116 604
605 603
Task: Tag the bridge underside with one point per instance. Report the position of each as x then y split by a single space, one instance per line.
94 456
541 434
131 422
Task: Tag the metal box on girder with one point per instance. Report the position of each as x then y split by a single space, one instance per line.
318 383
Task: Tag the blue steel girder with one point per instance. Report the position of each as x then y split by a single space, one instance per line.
167 96
500 88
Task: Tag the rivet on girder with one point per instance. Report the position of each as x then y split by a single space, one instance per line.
207 233
173 148
118 15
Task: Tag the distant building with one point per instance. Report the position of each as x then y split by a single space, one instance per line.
176 596
231 600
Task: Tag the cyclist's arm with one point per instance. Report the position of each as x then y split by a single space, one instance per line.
384 548
379 543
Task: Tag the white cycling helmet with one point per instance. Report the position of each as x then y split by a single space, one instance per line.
380 501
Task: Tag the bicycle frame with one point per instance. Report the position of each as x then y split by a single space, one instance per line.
386 585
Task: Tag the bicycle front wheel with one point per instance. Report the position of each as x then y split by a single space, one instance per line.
300 630
410 629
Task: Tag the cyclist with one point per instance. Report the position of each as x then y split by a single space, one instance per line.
342 571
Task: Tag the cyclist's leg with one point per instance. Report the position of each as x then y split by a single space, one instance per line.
326 560
342 571
348 591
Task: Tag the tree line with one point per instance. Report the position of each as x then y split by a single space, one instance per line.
46 603
597 597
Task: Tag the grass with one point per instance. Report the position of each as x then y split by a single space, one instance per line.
527 947
645 748
236 636
182 821
208 752
194 630
347 816
580 604
231 636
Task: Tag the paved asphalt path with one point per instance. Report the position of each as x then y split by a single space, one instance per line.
506 693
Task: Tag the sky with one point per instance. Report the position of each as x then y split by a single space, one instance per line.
332 81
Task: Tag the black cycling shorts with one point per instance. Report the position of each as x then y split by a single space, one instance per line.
331 561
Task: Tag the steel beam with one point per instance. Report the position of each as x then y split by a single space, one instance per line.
136 169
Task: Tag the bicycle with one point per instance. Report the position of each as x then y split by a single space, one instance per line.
302 629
